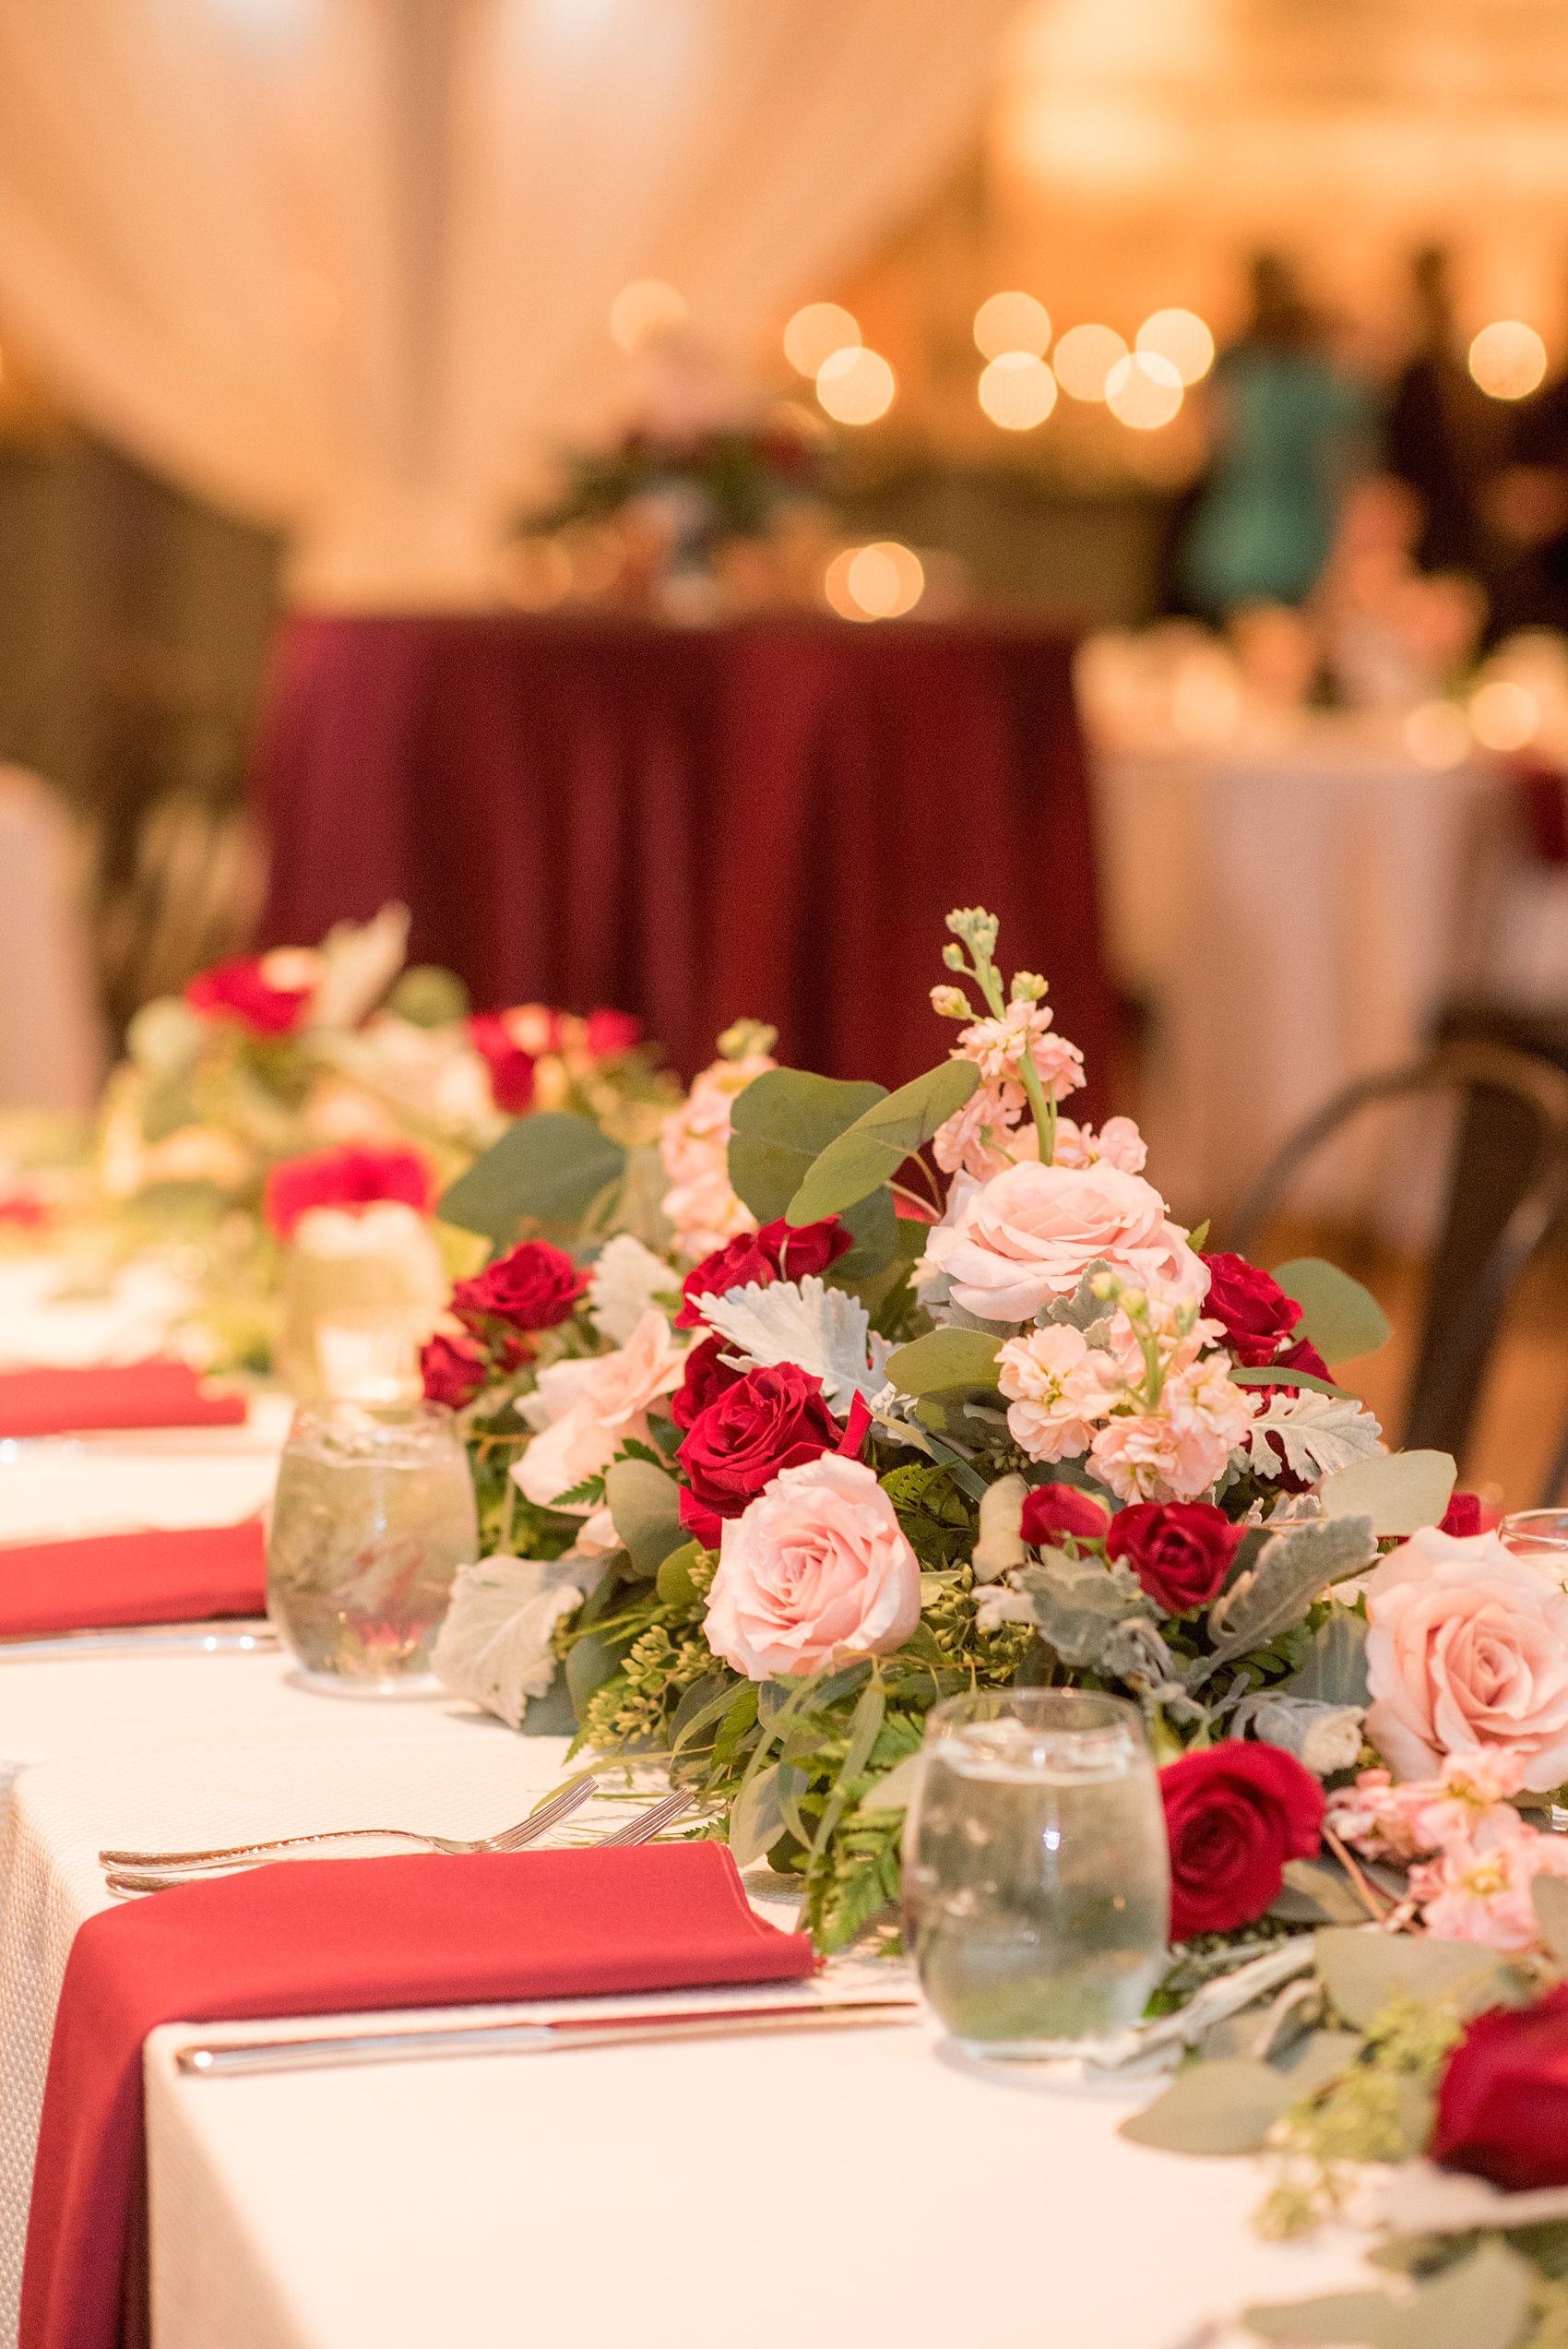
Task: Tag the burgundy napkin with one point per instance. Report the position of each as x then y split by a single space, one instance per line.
111 1579
157 1393
335 1936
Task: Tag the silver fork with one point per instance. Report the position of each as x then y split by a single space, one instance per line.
648 1823
511 1839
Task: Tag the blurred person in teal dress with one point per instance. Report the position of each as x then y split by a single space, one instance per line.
1291 432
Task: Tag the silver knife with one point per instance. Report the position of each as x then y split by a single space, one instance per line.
219 2058
236 1636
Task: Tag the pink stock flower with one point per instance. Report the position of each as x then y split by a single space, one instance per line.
1483 1895
818 1566
1029 1235
589 1408
1001 1047
982 1137
694 1145
1467 1646
1059 1388
1117 1141
1469 1800
1146 1456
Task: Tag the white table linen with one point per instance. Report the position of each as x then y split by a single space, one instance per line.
1296 912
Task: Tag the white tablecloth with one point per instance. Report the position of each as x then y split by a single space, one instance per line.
1296 914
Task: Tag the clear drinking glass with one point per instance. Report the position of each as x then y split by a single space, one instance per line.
373 1516
1539 1533
1037 1877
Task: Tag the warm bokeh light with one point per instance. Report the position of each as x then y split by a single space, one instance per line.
1083 358
644 310
1503 716
814 333
1010 322
1143 391
1017 391
1181 336
1437 734
855 387
534 574
877 582
1508 359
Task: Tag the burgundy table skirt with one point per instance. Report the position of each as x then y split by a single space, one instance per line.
769 819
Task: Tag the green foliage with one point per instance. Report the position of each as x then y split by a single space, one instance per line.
549 1169
778 1127
945 1358
1342 1318
869 1153
1397 1492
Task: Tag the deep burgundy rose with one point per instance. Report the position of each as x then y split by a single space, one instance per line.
532 1287
1503 2107
1180 1551
1258 1314
511 1069
344 1178
454 1369
1051 1510
612 1034
768 1420
776 1253
1461 1518
707 1377
239 991
1233 1816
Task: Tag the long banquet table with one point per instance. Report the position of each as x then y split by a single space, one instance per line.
766 819
844 2187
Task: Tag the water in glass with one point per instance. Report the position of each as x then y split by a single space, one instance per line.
373 1516
1036 1873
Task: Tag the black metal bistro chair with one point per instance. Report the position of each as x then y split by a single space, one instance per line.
1507 1182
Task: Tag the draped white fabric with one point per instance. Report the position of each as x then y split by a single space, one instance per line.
344 265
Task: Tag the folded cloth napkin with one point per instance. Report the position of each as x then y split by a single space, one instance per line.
336 1937
157 1393
111 1579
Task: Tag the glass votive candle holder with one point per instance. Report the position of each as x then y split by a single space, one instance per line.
1037 1875
372 1515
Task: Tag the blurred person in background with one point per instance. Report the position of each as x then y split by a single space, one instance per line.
1528 504
1444 437
1289 433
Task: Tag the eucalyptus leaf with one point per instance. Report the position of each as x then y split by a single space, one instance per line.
1335 1667
870 1152
645 1504
1342 1318
1399 1491
781 1124
1549 1897
675 1585
551 1166
941 1359
1293 1568
1318 1892
1334 2317
591 1661
704 1702
1268 1375
1225 2108
899 1789
1479 2303
1322 2056
756 1821
1362 1971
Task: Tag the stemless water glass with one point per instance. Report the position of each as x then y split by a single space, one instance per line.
1540 1535
373 1516
1037 1879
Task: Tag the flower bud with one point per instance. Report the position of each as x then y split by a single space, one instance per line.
951 1003
1028 986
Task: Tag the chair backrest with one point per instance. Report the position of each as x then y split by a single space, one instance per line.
1507 1182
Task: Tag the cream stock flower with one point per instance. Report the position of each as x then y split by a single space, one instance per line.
585 1409
1029 1235
1059 1388
1467 1646
817 1566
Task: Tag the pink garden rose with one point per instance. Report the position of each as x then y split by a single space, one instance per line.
1028 1235
1467 1646
817 1566
585 1409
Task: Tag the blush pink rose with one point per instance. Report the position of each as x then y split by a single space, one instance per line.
817 1566
1029 1235
1467 1646
585 1408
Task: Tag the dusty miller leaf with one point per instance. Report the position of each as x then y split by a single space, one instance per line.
827 1331
1293 1568
1317 1433
1078 1603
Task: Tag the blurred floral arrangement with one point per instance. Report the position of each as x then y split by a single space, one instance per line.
779 1437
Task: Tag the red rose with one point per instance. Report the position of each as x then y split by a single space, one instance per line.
768 1420
1258 1314
1180 1551
511 1069
455 1370
344 1178
238 991
707 1377
611 1035
1051 1510
1503 2107
779 1252
1233 1816
1461 1518
532 1287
